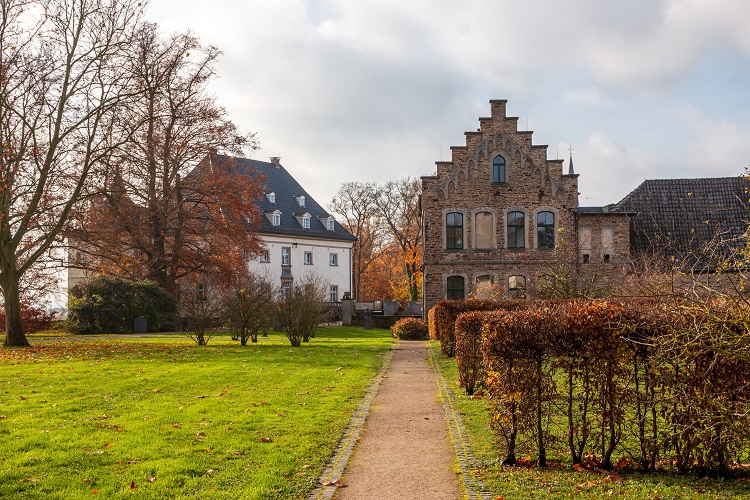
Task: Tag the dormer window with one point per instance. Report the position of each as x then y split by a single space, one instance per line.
303 218
300 200
328 221
273 216
271 197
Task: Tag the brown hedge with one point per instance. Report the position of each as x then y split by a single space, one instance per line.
673 378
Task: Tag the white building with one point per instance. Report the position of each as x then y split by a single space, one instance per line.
298 235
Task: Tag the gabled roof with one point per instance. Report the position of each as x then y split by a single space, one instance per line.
286 188
687 213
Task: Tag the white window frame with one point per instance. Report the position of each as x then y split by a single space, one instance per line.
331 225
306 222
271 197
334 293
275 219
307 258
333 259
264 257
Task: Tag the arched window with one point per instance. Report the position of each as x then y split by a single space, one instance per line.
517 287
498 169
545 230
455 288
516 230
454 231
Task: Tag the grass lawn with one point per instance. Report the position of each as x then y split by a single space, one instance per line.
560 480
159 417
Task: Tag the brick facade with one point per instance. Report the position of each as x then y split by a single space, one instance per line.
480 200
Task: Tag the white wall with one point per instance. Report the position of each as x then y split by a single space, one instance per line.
339 275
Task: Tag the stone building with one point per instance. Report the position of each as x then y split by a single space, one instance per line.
501 212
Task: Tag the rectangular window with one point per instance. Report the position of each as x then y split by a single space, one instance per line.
517 287
516 230
333 259
454 231
586 258
308 258
334 293
330 224
545 230
276 220
285 251
201 293
606 258
306 222
264 256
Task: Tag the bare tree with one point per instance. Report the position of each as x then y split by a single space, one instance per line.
249 306
355 202
61 83
398 207
160 218
302 308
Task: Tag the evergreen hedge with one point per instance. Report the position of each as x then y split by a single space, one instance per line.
110 305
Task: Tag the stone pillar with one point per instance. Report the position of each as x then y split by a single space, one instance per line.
347 311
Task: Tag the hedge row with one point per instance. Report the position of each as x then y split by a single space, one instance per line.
442 318
658 385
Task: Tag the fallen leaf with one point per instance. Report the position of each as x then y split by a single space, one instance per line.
201 434
94 492
264 440
336 483
157 390
238 453
151 479
132 486
200 397
211 471
175 425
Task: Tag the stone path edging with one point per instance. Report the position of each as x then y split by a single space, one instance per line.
474 487
345 447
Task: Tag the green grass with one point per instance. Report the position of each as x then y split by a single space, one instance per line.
560 480
82 416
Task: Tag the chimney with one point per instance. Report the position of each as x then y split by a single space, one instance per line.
276 160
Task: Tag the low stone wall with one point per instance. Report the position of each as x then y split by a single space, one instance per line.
379 321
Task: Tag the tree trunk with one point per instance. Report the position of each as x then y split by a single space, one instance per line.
14 335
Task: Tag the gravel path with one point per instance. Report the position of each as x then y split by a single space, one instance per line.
405 451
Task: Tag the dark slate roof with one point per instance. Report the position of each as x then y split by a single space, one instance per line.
605 210
286 188
687 213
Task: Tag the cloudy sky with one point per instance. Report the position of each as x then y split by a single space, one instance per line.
373 90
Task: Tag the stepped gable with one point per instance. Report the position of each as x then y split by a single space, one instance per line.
286 189
690 212
500 133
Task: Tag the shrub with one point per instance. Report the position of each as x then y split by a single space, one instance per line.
110 305
34 318
409 329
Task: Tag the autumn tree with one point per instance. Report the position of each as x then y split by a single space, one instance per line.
398 207
355 203
161 217
62 83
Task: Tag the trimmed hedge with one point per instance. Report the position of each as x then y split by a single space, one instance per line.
660 385
409 329
445 313
110 305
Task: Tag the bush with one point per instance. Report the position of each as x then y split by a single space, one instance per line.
110 305
34 319
409 329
